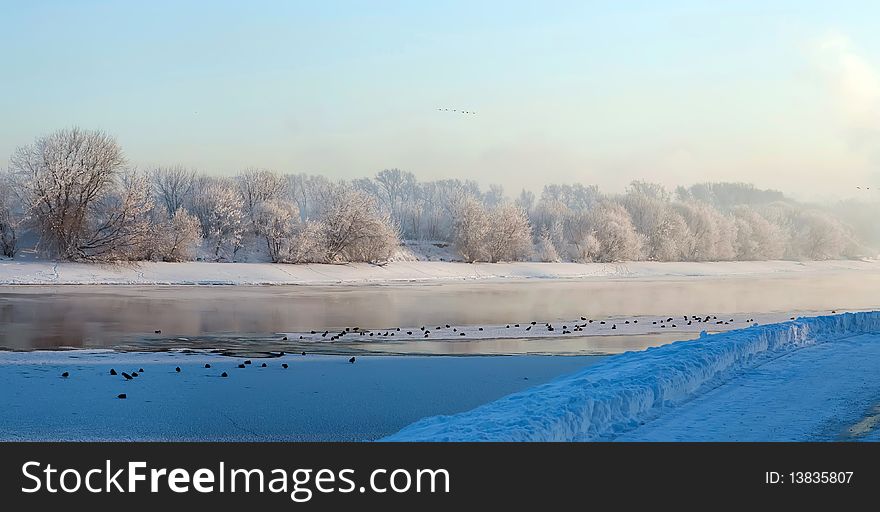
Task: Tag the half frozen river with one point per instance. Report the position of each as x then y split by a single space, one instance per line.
244 319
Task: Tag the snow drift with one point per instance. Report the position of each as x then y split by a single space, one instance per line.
632 388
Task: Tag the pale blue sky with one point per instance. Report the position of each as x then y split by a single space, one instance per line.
785 94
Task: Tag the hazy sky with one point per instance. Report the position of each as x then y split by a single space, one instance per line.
785 94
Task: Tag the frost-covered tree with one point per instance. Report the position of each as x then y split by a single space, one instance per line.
756 237
579 237
552 219
526 200
355 229
61 177
616 238
307 244
509 237
470 229
11 216
501 233
173 187
818 236
176 238
394 188
544 248
276 222
672 240
494 196
218 208
308 192
258 186
712 232
118 227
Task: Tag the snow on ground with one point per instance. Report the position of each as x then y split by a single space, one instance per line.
16 272
797 380
316 398
819 392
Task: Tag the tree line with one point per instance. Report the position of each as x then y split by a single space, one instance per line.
73 192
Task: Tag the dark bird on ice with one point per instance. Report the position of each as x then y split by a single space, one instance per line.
141 370
122 396
263 365
224 374
112 371
177 369
158 331
127 376
65 374
247 361
352 360
241 366
284 365
207 365
134 374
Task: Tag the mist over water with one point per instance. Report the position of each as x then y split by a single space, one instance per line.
247 317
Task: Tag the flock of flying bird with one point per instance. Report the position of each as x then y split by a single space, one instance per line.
456 110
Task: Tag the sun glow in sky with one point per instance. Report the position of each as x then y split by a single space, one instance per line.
785 94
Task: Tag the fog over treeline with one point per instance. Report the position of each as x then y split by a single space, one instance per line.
71 195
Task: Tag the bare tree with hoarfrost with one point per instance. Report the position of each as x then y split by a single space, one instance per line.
509 237
119 226
307 244
72 186
11 217
355 229
395 187
258 186
545 250
672 240
470 229
176 237
756 237
502 233
173 187
712 233
276 222
616 237
817 236
218 207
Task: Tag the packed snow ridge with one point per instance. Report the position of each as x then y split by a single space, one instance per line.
627 390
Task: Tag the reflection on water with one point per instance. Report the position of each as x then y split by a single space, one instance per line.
213 317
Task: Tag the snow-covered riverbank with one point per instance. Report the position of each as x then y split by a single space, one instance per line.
798 380
13 272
